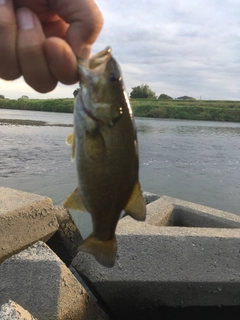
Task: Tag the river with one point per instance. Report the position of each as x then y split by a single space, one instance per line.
197 161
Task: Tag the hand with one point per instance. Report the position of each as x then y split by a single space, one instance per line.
40 39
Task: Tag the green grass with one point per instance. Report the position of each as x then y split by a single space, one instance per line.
215 110
191 109
50 105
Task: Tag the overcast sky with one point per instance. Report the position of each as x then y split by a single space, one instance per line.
177 47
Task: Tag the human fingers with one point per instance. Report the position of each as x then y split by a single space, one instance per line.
30 40
85 23
61 60
9 67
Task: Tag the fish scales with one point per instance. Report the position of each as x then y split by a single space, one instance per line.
107 187
105 148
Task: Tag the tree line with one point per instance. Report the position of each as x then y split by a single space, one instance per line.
144 91
21 98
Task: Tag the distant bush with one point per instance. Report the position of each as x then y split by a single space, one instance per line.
142 91
185 98
164 96
2 96
23 98
75 92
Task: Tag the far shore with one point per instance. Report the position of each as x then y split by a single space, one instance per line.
21 122
212 110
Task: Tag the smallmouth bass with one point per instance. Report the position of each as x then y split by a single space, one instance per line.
104 145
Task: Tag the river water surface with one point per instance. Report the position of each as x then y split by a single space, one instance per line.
197 161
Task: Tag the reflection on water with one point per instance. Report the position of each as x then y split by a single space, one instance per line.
196 161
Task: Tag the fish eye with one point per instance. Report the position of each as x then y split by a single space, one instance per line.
114 77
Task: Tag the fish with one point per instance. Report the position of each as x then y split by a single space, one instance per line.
105 148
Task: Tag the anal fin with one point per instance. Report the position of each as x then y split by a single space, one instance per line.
74 201
104 251
136 207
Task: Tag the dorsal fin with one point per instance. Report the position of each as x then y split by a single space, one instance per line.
136 205
74 201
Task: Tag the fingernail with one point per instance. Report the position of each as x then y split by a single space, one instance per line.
85 52
25 19
3 2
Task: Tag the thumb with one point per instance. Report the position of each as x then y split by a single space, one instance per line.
85 23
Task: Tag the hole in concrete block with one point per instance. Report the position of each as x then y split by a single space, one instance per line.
179 216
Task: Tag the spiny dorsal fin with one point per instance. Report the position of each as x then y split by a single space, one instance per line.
74 201
136 205
71 141
104 251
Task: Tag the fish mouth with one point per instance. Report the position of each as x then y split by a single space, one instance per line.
97 75
96 64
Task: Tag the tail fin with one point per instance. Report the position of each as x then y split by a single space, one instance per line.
104 251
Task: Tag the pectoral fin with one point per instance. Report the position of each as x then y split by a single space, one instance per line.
71 141
136 205
74 201
95 146
104 251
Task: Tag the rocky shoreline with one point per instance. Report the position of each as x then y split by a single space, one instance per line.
23 122
183 261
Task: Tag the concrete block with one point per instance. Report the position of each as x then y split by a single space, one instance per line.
184 255
66 241
40 282
13 311
150 197
24 219
173 212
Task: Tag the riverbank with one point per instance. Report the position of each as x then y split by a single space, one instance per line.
49 105
21 122
213 110
43 259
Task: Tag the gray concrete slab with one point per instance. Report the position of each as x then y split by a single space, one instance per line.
67 239
150 197
184 255
169 211
24 219
13 311
41 283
